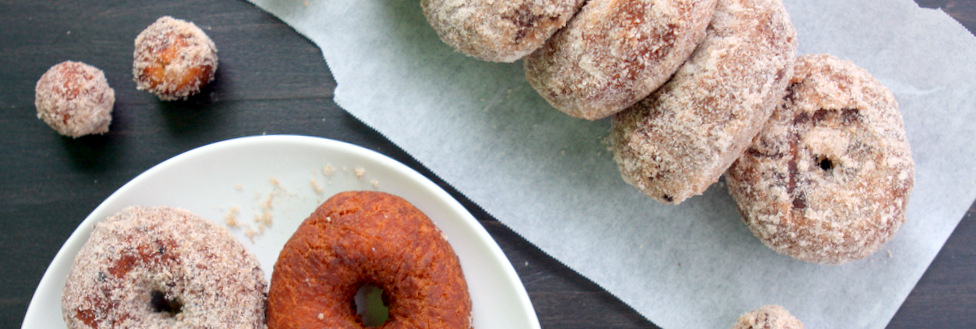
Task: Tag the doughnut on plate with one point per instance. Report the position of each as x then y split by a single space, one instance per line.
287 177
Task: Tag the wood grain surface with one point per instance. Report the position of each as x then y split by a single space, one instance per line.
270 81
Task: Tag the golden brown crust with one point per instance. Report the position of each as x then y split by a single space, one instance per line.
146 258
828 178
497 31
173 59
355 238
768 317
614 53
675 143
74 99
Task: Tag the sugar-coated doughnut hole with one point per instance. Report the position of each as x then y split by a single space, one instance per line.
768 317
173 59
75 99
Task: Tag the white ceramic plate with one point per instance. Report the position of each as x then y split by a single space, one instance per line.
287 177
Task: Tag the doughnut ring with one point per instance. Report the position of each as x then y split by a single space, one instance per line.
368 238
677 142
163 268
613 53
828 178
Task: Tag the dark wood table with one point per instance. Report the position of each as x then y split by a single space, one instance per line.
270 81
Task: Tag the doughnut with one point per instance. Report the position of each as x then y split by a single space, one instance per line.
74 99
497 31
362 238
614 53
173 59
828 178
681 139
163 267
768 317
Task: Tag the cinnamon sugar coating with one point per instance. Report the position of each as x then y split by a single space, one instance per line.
74 99
173 59
363 237
497 31
163 268
768 317
675 143
614 53
828 178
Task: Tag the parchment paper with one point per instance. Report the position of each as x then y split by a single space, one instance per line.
482 128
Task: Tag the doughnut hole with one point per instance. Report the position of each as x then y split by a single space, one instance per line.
371 305
74 99
173 59
159 302
825 163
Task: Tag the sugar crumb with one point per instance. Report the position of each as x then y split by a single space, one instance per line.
231 218
250 232
239 187
268 203
375 183
315 186
264 219
359 172
328 170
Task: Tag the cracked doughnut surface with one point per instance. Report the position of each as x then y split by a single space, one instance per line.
828 178
681 139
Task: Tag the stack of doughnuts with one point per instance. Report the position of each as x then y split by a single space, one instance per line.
820 166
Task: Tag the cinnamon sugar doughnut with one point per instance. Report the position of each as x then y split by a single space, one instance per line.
74 99
614 53
768 317
828 178
173 59
368 238
675 143
497 31
163 268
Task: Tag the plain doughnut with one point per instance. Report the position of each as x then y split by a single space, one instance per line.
363 237
681 139
828 178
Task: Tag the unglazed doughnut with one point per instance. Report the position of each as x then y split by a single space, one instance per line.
614 53
678 141
163 268
768 317
173 59
497 31
74 99
828 178
359 238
